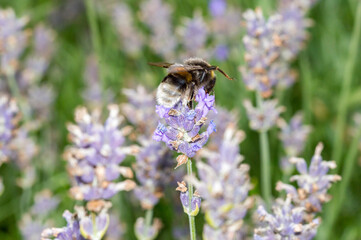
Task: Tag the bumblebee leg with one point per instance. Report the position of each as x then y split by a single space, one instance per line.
190 96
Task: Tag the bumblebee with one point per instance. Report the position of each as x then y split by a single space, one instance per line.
184 80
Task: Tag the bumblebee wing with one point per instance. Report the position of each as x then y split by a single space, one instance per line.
161 64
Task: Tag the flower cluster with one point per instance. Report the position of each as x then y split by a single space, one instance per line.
224 27
304 5
139 111
153 171
142 231
80 226
270 47
9 117
71 231
296 217
35 221
264 117
224 185
181 132
131 39
285 223
293 135
13 40
153 166
260 73
92 94
225 117
97 151
156 14
313 183
194 34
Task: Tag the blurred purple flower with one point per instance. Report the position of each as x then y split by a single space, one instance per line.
181 132
261 51
9 117
142 231
13 40
221 52
38 61
217 7
116 229
131 39
226 118
224 185
153 171
303 5
156 14
97 151
270 46
70 232
30 228
286 222
44 203
313 182
194 34
294 135
265 117
139 111
35 221
92 94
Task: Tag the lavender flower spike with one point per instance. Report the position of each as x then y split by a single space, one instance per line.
293 135
181 131
9 117
265 117
286 222
313 182
97 151
224 185
13 39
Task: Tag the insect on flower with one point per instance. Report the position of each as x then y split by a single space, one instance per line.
184 80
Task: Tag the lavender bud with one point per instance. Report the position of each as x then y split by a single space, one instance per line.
195 203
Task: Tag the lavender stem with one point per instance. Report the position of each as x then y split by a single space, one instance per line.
192 225
95 37
265 162
346 87
148 219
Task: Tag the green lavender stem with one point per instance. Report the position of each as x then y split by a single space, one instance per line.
265 162
95 37
192 224
340 193
346 86
148 219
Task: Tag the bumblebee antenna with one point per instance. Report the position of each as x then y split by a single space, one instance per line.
221 71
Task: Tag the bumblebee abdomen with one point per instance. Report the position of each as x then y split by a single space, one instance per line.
168 94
